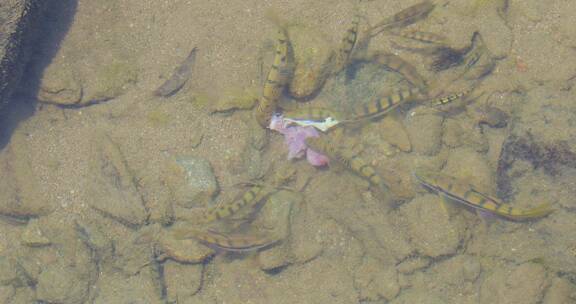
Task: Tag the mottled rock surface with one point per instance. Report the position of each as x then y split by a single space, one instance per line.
19 22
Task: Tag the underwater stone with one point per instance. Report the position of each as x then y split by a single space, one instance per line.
412 296
425 133
33 235
430 229
561 291
468 165
276 213
194 183
59 86
182 281
61 284
20 196
524 284
187 251
113 192
376 281
312 57
8 271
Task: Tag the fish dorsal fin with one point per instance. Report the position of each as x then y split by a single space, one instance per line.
482 194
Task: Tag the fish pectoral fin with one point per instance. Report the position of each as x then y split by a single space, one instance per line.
447 206
487 197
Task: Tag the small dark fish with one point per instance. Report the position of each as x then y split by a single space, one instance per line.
179 77
404 17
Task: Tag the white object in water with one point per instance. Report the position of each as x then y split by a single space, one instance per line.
323 125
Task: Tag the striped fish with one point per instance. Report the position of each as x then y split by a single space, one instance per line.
382 105
347 45
425 37
253 196
307 112
275 82
404 17
346 157
466 194
446 99
401 66
226 242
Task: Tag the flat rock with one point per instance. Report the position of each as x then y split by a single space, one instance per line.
19 186
458 271
8 271
524 284
429 227
376 281
561 292
425 132
33 235
113 192
191 180
81 73
468 165
6 293
184 251
276 214
182 281
412 296
61 284
116 288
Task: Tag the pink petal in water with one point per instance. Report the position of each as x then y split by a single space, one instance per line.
295 138
316 159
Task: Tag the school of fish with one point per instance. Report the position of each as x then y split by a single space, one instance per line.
329 144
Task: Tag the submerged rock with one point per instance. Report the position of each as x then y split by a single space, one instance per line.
20 21
425 132
20 197
187 251
312 58
412 296
33 235
62 284
430 228
276 214
525 284
561 292
114 193
182 281
191 180
376 281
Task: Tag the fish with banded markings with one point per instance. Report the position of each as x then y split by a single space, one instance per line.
277 79
235 242
466 194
